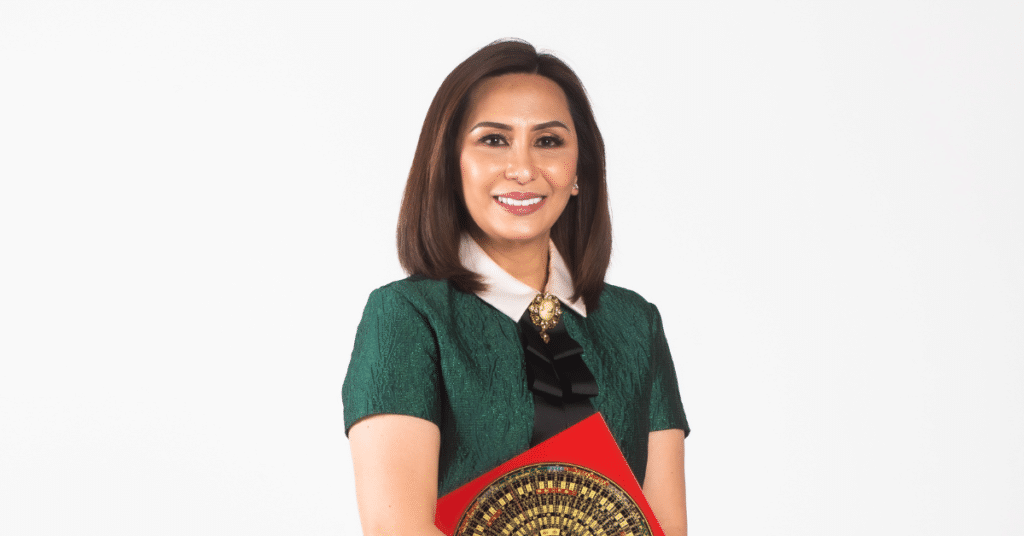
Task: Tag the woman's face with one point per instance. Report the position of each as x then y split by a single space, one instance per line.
518 152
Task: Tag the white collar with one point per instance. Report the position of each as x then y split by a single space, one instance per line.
510 295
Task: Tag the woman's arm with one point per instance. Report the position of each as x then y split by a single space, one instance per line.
395 459
664 485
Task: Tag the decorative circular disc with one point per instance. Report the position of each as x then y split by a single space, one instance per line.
553 499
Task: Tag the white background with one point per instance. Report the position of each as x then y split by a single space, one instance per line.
825 199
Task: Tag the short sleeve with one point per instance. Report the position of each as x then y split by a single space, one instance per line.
394 366
666 408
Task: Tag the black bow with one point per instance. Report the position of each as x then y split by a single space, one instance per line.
559 379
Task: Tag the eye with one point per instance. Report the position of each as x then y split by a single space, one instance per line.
493 140
550 142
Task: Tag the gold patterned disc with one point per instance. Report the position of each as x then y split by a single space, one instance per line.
553 499
545 312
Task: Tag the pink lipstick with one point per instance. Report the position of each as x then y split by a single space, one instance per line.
520 203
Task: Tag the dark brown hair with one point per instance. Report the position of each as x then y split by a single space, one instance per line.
433 214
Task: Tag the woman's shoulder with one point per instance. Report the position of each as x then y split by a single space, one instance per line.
619 297
414 286
618 303
414 290
427 296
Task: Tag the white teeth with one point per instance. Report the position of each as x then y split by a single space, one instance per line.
518 203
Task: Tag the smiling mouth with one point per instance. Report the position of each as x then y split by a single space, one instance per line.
518 202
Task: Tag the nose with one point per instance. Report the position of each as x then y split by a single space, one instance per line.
520 166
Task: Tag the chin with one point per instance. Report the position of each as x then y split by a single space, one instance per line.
527 237
517 235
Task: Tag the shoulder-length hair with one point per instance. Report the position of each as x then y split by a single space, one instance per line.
434 215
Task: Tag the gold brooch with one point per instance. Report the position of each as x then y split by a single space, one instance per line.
545 312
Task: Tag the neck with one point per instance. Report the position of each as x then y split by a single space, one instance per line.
526 261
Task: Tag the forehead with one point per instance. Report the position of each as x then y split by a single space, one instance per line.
519 95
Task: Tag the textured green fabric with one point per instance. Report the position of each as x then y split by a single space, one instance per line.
425 349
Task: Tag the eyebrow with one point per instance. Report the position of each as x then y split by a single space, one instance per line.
503 126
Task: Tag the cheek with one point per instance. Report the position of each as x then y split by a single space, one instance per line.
570 169
475 183
563 173
467 171
474 170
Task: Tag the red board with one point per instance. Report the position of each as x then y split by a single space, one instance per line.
588 443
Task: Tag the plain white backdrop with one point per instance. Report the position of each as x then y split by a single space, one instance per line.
825 200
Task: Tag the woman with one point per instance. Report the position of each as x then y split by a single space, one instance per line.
506 198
